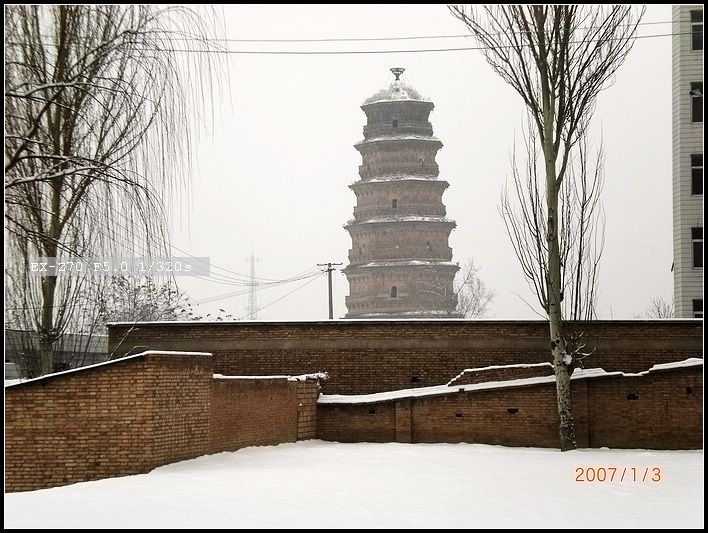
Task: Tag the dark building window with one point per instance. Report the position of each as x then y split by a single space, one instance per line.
697 101
394 292
697 30
394 203
697 241
395 124
696 173
697 308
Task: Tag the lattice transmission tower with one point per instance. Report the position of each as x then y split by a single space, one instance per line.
252 307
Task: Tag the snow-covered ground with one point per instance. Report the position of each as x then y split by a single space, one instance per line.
316 484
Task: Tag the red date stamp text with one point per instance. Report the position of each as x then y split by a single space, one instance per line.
618 474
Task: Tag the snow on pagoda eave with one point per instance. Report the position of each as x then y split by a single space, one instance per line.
398 179
417 314
399 138
404 263
380 101
401 219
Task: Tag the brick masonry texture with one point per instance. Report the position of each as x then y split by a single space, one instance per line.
661 410
307 393
369 356
246 412
133 415
504 373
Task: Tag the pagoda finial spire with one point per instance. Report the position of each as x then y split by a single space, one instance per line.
397 71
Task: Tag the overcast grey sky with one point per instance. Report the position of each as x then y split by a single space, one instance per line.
275 173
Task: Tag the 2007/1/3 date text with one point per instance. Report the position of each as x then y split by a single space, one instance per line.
618 474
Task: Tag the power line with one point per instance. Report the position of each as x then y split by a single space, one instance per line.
204 300
214 277
362 39
224 279
400 51
183 37
245 276
318 40
246 291
259 288
291 292
361 52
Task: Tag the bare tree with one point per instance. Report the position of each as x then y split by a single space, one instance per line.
464 297
132 299
557 58
100 106
658 308
473 296
142 299
435 290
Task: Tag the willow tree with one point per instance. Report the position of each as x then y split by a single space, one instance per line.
558 59
100 105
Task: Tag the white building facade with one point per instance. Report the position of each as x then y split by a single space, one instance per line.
687 119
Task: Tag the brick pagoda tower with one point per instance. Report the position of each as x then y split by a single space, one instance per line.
400 261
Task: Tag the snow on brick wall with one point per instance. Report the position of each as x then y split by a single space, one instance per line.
125 417
662 409
371 356
131 415
501 373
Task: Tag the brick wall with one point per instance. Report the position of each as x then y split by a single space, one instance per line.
372 356
357 423
307 393
666 410
104 421
660 410
134 414
246 412
181 397
137 413
67 430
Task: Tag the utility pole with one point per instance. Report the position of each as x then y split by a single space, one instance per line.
329 269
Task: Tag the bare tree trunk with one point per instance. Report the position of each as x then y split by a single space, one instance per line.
46 337
554 281
555 313
555 320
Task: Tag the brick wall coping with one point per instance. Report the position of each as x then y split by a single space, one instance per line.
439 390
498 367
340 321
45 377
221 376
317 376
